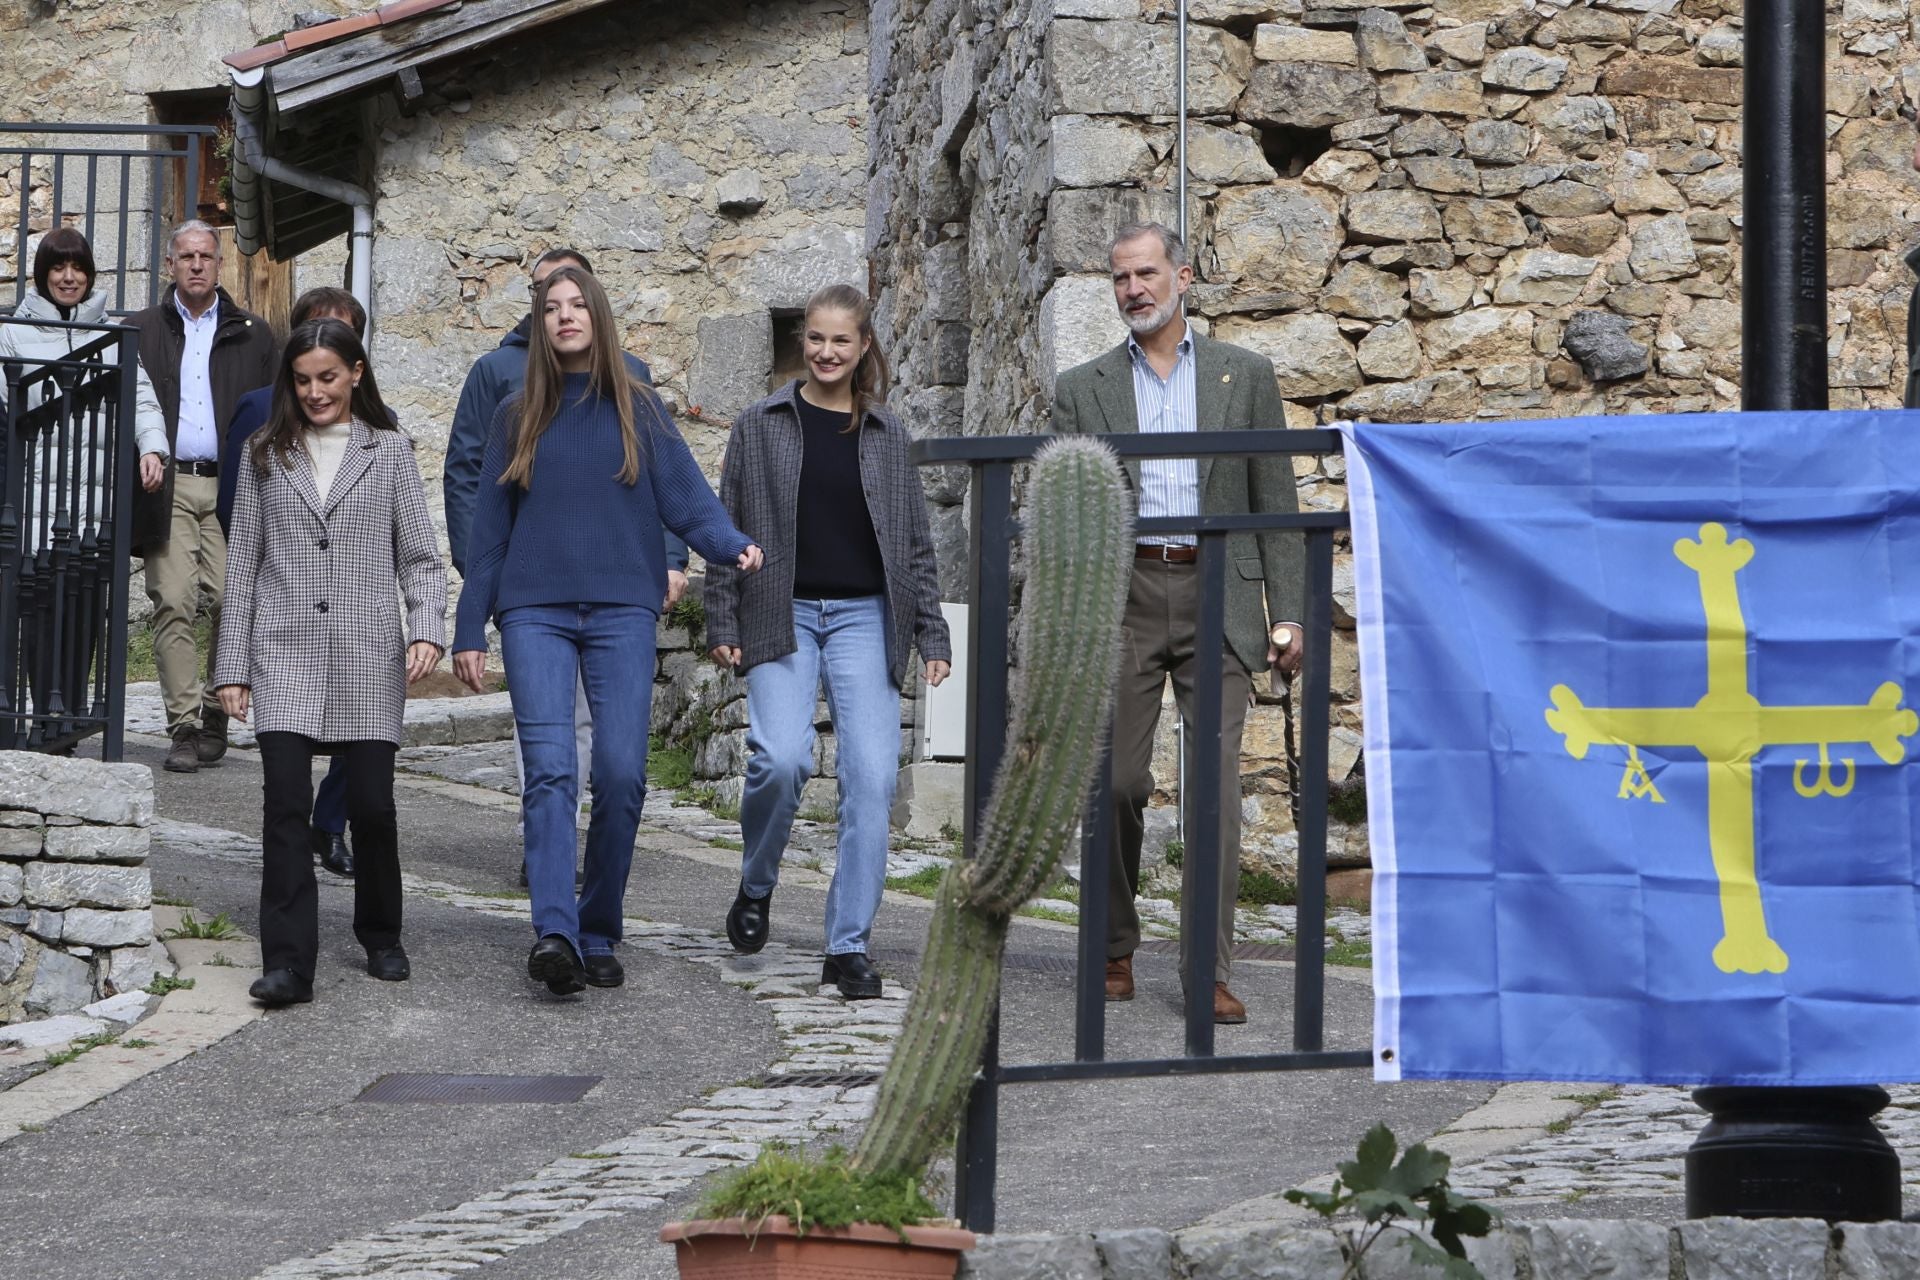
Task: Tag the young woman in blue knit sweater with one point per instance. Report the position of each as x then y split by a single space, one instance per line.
818 473
582 470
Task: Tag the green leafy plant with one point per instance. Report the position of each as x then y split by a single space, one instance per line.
691 613
1347 801
813 1192
1265 889
1176 853
1385 1193
670 768
220 927
166 984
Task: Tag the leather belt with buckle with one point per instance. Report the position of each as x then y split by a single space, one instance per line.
209 469
1165 553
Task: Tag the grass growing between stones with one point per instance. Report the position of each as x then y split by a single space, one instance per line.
166 984
1265 889
668 767
816 1191
708 798
1354 954
80 1046
721 842
1038 912
921 884
190 926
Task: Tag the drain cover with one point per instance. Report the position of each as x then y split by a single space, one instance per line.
820 1079
478 1089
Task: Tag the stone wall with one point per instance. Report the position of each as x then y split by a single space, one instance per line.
76 923
1420 210
710 159
1573 1249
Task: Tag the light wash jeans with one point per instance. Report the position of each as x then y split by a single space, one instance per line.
549 650
844 642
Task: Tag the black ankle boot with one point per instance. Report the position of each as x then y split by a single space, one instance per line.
747 921
854 974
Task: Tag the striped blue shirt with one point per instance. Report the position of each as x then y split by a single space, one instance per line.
1168 486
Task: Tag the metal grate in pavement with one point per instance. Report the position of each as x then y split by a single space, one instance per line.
819 1080
477 1089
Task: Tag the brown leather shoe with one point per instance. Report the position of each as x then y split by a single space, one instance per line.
182 757
1120 978
1226 1006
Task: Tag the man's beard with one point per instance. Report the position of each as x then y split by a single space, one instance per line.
1142 325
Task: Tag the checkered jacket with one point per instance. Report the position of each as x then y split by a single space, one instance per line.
758 487
311 619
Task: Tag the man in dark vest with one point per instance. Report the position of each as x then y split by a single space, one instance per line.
202 352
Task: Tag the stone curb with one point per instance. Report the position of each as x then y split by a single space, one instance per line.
1568 1249
186 1021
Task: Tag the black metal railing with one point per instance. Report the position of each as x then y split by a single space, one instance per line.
66 488
112 182
992 460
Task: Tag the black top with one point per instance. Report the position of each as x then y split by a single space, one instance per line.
837 556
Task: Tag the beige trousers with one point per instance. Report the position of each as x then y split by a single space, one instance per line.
1161 622
194 559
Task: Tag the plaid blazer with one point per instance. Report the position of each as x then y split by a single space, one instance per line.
758 486
311 619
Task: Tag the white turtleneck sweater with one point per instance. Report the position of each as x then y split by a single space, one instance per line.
326 446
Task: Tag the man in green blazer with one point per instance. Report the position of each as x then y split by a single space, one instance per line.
1167 378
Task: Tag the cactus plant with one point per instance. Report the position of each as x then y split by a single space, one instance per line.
1078 539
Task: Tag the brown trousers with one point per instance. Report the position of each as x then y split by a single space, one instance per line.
1161 621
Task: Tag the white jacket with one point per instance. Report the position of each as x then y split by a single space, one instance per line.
31 342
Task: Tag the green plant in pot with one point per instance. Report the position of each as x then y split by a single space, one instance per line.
789 1207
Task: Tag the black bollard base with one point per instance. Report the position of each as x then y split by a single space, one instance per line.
1793 1153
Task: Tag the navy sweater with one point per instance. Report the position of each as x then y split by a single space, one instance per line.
578 535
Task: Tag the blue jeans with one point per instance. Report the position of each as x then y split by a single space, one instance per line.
549 649
844 641
330 801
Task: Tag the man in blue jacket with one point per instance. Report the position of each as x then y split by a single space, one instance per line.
494 377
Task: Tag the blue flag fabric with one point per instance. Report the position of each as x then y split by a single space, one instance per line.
1641 747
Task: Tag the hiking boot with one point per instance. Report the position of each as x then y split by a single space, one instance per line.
212 742
184 755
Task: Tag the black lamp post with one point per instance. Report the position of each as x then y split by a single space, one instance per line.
1788 1153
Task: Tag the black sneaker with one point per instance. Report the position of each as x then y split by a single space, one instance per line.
184 755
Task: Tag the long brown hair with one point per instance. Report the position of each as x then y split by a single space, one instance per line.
285 421
871 378
607 376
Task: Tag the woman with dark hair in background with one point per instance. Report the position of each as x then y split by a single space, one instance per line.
63 293
330 529
818 473
582 469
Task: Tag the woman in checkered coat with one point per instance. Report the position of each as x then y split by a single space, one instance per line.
818 473
330 531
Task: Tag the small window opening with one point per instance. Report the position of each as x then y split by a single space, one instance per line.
789 358
1290 149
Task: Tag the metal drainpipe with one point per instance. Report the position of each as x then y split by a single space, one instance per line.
360 248
1181 108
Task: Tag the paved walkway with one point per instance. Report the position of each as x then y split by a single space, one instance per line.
252 1157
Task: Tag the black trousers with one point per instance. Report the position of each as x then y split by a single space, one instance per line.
289 899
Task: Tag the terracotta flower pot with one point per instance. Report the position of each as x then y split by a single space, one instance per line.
735 1249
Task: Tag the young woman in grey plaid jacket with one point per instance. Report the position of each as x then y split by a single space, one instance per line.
818 474
330 530
582 469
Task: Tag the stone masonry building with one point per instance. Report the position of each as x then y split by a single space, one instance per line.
1418 209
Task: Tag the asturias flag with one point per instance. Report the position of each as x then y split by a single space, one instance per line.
1641 752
